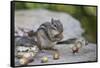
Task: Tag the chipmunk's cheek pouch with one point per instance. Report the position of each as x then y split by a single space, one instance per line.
55 32
60 36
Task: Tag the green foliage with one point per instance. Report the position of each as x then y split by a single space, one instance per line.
85 14
20 5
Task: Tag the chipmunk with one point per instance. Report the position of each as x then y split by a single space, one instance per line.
49 33
46 36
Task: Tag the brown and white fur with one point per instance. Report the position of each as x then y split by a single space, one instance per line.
49 33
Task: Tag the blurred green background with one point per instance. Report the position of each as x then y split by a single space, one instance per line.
87 15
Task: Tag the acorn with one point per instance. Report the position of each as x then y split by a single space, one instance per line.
75 49
23 61
27 58
56 56
27 55
32 54
79 45
20 54
44 59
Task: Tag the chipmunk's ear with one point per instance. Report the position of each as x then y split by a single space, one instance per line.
52 20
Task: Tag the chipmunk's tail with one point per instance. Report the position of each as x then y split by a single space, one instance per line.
69 41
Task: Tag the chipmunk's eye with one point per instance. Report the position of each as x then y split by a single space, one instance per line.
55 25
54 28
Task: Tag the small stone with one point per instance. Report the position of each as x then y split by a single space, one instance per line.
44 59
